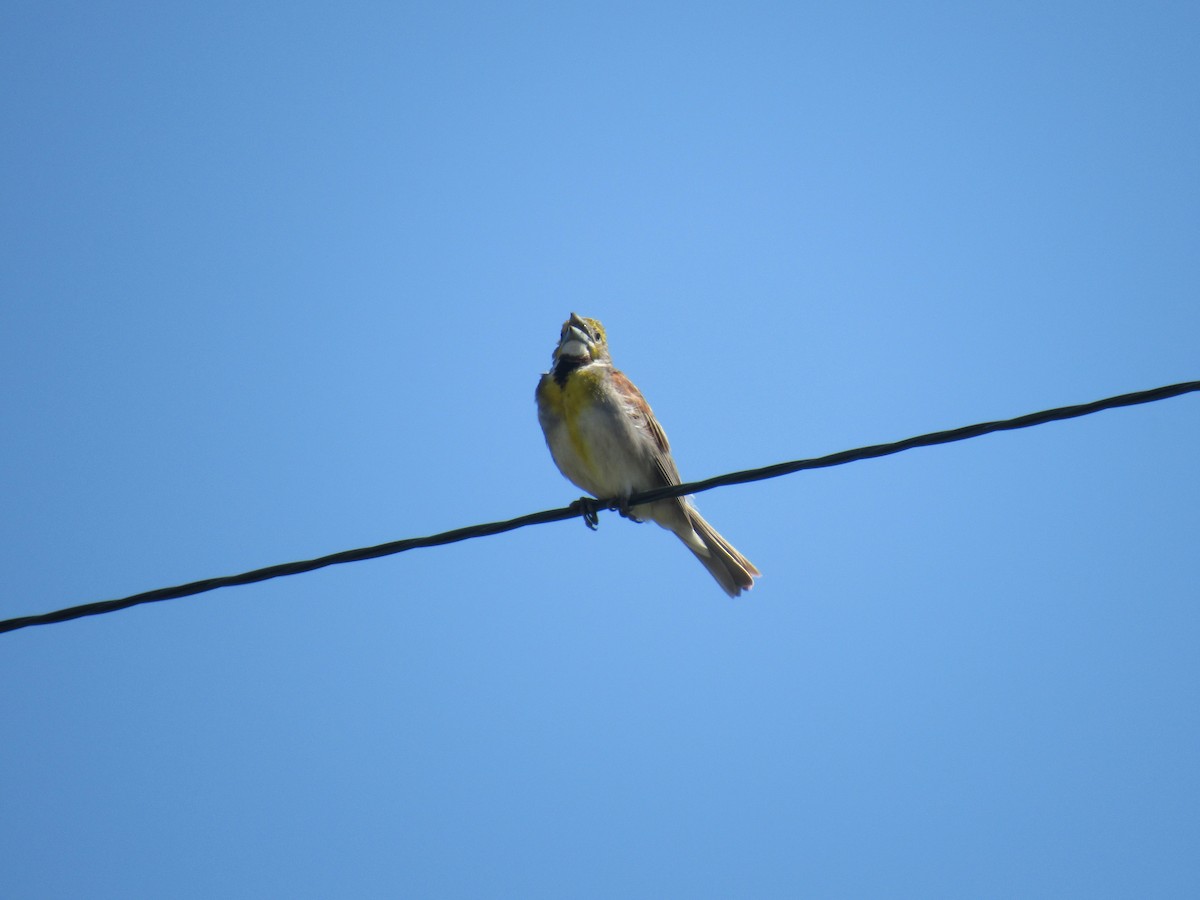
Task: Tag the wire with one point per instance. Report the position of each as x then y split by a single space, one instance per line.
588 508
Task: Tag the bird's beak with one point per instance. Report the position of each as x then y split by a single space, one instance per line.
575 341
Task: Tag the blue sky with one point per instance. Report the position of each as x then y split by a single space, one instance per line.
279 280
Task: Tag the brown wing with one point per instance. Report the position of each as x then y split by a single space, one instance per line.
644 417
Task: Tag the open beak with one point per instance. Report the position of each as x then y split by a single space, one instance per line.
575 341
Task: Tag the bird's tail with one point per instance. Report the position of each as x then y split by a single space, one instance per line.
733 571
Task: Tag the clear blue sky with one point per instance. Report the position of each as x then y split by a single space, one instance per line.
279 280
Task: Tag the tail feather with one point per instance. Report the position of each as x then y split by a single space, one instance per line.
732 571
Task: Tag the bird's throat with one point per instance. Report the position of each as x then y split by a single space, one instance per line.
564 367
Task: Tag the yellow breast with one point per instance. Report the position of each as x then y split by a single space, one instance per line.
565 405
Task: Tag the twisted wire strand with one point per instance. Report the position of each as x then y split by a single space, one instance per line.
588 508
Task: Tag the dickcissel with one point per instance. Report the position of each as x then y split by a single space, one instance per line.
605 439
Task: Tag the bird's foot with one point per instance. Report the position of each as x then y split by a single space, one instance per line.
622 506
589 508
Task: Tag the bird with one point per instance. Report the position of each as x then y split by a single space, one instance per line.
605 439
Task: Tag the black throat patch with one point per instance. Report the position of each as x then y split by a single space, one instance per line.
564 367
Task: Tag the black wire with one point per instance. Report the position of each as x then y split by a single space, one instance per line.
587 507
924 440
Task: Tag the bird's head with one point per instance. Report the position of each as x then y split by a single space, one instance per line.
581 341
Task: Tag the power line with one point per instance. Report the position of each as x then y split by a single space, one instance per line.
589 508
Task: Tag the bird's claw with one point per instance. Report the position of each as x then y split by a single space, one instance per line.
622 506
589 508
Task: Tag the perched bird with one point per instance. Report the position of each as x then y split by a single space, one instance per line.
605 439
